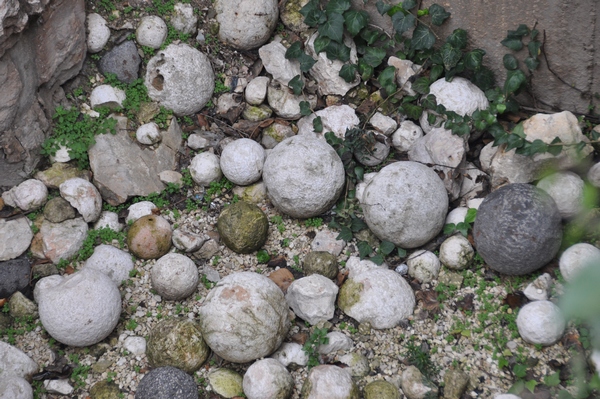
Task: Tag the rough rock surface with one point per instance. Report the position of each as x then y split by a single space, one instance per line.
267 379
381 390
406 136
83 196
566 189
14 276
205 168
225 382
167 382
285 103
405 203
15 237
518 229
113 262
27 196
180 78
577 257
304 176
541 322
243 227
151 32
320 262
312 298
335 118
291 353
174 277
80 309
246 24
123 61
244 317
98 33
456 252
273 58
58 210
328 381
63 240
423 265
242 161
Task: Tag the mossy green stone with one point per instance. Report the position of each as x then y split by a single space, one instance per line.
226 383
243 227
257 114
149 237
349 294
179 343
320 262
105 390
381 390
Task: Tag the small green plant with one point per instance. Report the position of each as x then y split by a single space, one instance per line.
296 266
318 337
262 256
220 86
104 235
108 5
79 373
206 282
462 227
131 325
285 242
313 222
217 188
111 375
421 359
278 221
215 260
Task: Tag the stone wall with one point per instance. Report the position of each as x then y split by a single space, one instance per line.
42 45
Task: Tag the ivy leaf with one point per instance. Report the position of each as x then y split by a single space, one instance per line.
422 38
387 79
382 7
409 4
450 55
534 48
355 21
365 70
386 247
520 370
521 31
449 229
296 84
305 108
552 380
401 252
348 72
530 385
306 62
364 249
345 234
471 215
337 7
514 80
359 171
461 129
510 62
369 35
435 72
473 59
421 85
484 78
294 52
411 111
374 56
318 124
333 28
321 43
531 63
438 14
514 141
338 51
512 43
538 147
315 18
458 39
402 22
429 102
358 224
312 5
377 259
555 149
463 228
534 34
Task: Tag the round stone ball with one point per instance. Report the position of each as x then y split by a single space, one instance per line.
243 227
80 309
149 237
151 32
423 265
246 24
518 229
541 322
456 252
329 381
566 189
205 169
242 161
174 277
304 176
577 257
167 383
177 342
244 317
320 262
113 262
405 203
267 379
381 389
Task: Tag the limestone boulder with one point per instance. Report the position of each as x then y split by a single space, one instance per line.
205 168
291 354
381 389
423 265
256 91
15 237
14 276
58 210
335 118
151 32
456 252
244 317
304 176
174 277
183 19
225 382
167 382
566 189
243 227
83 196
113 262
27 196
246 24
98 33
328 381
107 96
148 133
320 262
63 240
541 322
274 61
405 137
576 258
138 210
312 298
285 103
242 161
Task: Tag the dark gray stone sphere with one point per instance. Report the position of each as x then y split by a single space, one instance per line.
123 60
518 229
167 383
14 276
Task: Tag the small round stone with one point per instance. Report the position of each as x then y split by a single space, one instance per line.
267 379
577 257
243 227
174 277
167 383
456 252
381 390
149 237
518 229
541 322
328 381
205 168
566 189
423 265
320 262
151 32
242 161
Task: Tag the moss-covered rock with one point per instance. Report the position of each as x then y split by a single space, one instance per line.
381 390
349 294
149 237
257 113
178 343
320 262
243 227
226 383
105 390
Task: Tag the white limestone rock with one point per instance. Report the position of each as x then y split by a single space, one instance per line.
205 168
15 237
472 183
285 103
242 161
174 277
541 322
244 317
254 193
304 176
406 136
256 91
383 124
566 189
83 196
61 386
405 69
326 240
539 288
267 379
111 261
138 210
148 133
291 353
456 252
107 96
63 240
135 345
357 364
274 61
151 32
187 241
12 387
27 196
423 265
312 298
337 341
457 215
593 175
180 78
329 382
183 19
335 118
356 266
246 24
275 134
80 309
576 258
376 154
109 220
98 33
405 203
14 362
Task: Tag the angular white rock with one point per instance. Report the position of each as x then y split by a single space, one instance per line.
337 341
135 345
98 32
267 379
61 387
456 252
326 240
15 237
63 240
423 265
111 261
335 118
109 220
205 168
256 91
312 298
14 362
148 133
107 96
184 20
174 277
383 123
457 215
83 196
329 382
27 196
406 136
285 103
171 176
538 289
576 258
242 161
80 309
275 134
291 353
274 61
405 69
541 322
566 189
138 210
151 32
186 241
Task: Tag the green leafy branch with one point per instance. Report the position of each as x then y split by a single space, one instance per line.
462 227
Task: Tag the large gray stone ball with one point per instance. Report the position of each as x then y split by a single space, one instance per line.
167 383
268 379
243 227
304 176
177 342
517 229
405 203
80 309
244 317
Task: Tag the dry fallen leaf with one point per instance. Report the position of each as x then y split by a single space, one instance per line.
466 303
429 299
283 278
515 300
341 277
